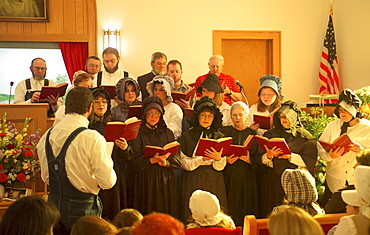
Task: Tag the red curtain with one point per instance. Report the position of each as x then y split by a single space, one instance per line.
74 56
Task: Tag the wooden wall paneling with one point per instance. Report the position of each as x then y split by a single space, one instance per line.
56 24
69 16
3 27
15 27
81 17
93 25
38 28
27 28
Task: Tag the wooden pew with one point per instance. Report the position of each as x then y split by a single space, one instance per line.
253 226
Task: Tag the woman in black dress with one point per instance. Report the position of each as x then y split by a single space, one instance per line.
304 155
114 199
154 179
203 173
239 174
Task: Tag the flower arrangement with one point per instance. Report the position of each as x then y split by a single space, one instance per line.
18 160
364 94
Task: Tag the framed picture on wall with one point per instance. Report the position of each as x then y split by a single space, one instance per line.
24 10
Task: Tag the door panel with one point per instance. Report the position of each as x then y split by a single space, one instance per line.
248 56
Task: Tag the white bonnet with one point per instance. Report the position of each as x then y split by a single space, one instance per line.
205 208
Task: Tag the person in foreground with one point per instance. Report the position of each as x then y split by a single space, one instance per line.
81 166
240 181
30 215
358 224
303 155
300 190
202 172
155 185
293 221
206 212
158 224
93 225
339 171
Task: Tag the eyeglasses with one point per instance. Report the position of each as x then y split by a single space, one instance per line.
101 101
268 95
40 68
238 115
150 114
93 66
206 116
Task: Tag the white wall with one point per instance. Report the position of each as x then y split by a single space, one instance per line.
183 30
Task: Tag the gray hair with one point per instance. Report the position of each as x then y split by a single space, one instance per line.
158 55
219 57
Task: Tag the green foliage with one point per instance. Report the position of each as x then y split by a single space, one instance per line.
61 79
315 122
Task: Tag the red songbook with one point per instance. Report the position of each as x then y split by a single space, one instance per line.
134 111
218 144
127 130
273 142
53 90
185 96
191 84
171 148
241 150
111 89
342 141
264 121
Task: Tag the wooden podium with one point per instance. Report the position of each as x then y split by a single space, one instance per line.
17 113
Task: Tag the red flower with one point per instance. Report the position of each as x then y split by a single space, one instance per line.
28 153
10 146
1 167
3 177
2 134
21 177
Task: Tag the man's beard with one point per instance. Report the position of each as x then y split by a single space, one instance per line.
38 78
161 73
111 70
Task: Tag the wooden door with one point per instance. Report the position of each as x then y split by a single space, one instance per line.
248 56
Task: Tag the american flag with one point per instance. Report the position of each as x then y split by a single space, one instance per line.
328 75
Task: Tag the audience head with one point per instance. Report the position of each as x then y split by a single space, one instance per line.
300 189
127 218
158 63
211 87
79 100
293 221
268 94
158 224
206 211
111 59
30 215
363 158
348 105
206 115
216 64
93 225
38 68
362 185
93 65
161 86
102 105
174 70
351 198
83 79
239 112
127 90
152 112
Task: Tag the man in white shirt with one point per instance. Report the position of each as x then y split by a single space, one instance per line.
28 91
75 169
